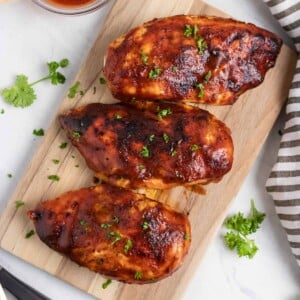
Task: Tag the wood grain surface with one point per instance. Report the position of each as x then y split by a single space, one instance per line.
250 119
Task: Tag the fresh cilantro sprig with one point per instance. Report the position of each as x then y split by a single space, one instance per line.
240 227
22 94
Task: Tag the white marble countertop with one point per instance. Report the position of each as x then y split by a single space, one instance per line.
30 36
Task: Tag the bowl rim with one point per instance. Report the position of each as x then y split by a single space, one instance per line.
72 11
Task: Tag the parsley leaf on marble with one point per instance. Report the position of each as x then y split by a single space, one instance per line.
240 227
22 94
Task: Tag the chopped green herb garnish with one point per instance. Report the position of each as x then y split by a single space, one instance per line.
9 175
195 147
105 226
54 177
145 225
186 237
173 153
22 94
81 93
201 90
63 145
145 152
144 58
117 116
116 235
2 111
138 275
100 261
154 73
195 30
240 227
174 69
128 246
106 283
140 167
151 137
188 31
76 134
166 137
94 90
29 234
83 223
201 44
164 112
55 161
116 220
102 80
64 63
39 132
19 203
73 90
207 77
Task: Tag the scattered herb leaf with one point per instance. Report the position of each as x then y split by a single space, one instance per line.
128 246
195 147
29 234
64 63
186 237
154 73
166 138
200 86
9 175
151 137
73 89
76 135
54 177
38 132
22 94
117 116
188 31
102 80
207 76
145 152
105 225
145 225
55 161
63 145
140 167
100 261
240 227
83 223
2 111
116 220
144 58
164 112
19 203
138 275
173 153
201 44
106 283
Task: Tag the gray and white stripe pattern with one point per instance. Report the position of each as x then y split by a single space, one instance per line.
284 181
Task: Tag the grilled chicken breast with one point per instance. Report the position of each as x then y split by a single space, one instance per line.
114 232
147 144
190 58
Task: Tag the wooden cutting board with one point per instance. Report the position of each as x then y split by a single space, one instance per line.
250 120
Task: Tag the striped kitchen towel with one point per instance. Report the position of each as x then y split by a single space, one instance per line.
284 181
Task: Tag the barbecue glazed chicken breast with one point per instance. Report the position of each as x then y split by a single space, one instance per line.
150 145
189 58
114 232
